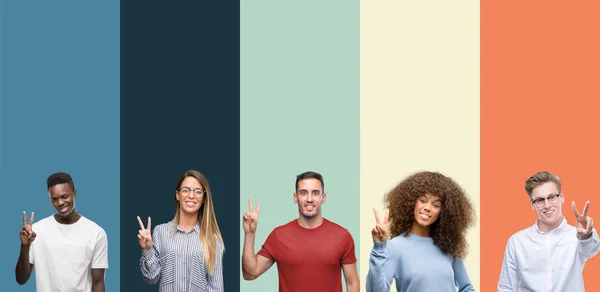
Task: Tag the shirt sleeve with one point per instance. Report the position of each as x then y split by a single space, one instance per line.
348 255
100 257
381 268
461 277
149 262
590 246
215 279
269 248
31 254
508 274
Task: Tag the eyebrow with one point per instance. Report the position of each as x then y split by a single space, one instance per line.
428 198
552 194
200 188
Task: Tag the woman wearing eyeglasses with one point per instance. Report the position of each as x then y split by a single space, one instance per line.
186 253
428 217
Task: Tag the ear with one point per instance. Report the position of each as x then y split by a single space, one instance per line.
295 198
324 198
74 193
177 195
562 198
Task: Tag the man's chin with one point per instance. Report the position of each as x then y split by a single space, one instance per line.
310 215
64 215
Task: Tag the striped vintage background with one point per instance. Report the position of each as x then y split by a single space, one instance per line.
252 93
486 92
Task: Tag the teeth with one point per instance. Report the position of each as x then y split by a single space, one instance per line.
190 203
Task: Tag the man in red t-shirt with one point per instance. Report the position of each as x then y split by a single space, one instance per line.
311 252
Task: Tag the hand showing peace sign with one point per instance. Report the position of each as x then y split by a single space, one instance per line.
585 224
380 232
145 235
27 234
251 218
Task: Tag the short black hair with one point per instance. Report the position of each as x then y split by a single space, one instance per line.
60 178
310 174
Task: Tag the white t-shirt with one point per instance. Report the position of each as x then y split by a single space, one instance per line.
64 255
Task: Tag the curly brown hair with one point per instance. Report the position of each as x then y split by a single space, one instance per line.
456 214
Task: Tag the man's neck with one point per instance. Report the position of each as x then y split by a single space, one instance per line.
72 218
547 228
310 222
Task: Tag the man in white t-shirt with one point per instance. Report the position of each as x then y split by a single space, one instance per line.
69 251
550 255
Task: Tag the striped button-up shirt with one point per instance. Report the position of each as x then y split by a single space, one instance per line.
175 261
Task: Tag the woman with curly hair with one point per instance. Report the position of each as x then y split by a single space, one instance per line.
428 216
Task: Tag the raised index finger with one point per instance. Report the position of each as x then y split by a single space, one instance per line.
376 216
585 208
387 216
258 207
141 224
24 219
250 204
31 220
149 224
575 209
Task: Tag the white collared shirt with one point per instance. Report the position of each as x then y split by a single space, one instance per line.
546 261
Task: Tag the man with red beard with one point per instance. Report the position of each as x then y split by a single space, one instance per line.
311 252
69 250
550 255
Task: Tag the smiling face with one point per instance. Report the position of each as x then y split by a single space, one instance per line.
62 197
309 196
190 195
427 210
549 205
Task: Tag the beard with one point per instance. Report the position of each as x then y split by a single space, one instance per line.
309 215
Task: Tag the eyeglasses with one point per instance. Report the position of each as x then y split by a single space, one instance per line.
551 199
197 192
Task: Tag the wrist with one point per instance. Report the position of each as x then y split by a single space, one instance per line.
584 236
25 245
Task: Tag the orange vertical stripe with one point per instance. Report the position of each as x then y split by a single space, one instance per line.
540 110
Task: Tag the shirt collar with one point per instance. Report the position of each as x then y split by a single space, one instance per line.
196 228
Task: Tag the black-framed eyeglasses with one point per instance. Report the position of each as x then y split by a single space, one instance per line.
187 191
553 198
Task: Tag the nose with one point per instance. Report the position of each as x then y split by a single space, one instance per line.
309 198
427 207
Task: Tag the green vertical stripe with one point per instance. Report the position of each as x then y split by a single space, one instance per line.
299 111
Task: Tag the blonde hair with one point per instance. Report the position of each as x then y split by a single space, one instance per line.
209 229
539 179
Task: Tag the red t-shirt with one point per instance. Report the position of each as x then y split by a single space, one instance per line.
310 259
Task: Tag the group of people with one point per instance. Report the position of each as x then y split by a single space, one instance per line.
419 241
